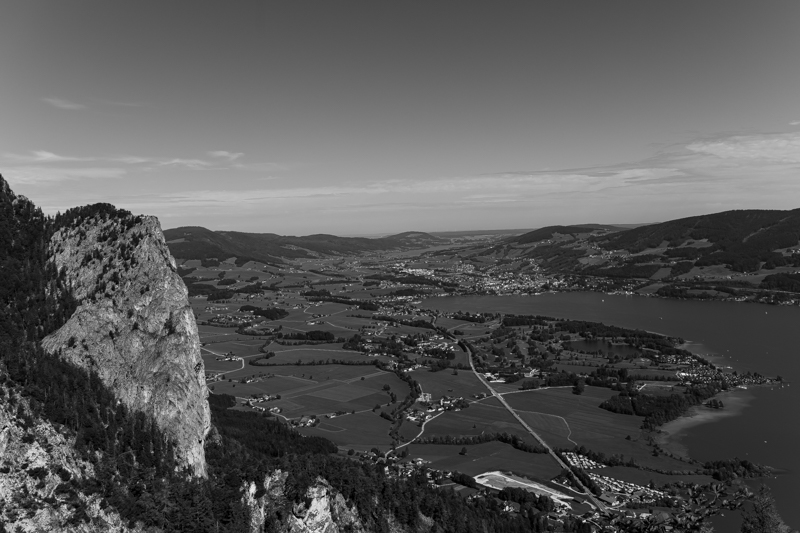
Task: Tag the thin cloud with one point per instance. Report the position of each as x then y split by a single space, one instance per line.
33 175
131 159
225 161
776 147
795 123
230 156
43 156
194 164
64 104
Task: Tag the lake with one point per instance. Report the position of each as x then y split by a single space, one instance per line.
746 336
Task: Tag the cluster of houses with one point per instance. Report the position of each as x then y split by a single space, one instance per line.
230 356
396 467
418 416
616 492
502 376
259 398
581 461
228 321
445 403
305 421
434 342
273 410
509 283
706 374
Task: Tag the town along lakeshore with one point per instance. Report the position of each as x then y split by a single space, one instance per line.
747 336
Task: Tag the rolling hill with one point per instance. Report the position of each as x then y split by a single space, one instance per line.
195 242
548 232
744 241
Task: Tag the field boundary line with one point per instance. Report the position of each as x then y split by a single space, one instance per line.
557 416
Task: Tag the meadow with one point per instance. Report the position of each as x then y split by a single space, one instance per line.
361 431
487 457
588 425
444 382
487 416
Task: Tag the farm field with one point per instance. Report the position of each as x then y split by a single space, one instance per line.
212 333
487 457
476 419
442 383
361 431
571 419
286 355
461 357
245 346
597 429
643 477
318 389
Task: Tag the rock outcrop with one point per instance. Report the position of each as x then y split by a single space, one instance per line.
133 325
324 510
38 470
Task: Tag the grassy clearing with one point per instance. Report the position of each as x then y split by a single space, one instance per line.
360 431
315 402
503 388
213 333
318 389
595 428
486 457
643 477
320 355
588 424
442 383
333 372
476 419
553 430
347 321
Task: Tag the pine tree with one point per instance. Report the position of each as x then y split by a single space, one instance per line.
763 516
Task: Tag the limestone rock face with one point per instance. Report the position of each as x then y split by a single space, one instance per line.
37 466
324 510
134 326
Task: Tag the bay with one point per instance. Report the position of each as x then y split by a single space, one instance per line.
759 424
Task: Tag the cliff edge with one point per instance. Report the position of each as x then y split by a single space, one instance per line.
133 325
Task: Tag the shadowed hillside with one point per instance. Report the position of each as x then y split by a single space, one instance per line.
200 243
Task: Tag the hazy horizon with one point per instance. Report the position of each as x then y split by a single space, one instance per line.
356 118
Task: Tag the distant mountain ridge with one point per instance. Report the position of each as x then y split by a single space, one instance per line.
741 240
548 232
195 242
742 230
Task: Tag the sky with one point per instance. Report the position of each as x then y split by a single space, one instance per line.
363 117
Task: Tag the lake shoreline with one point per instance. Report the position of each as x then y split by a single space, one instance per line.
670 435
749 338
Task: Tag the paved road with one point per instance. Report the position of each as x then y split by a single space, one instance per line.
530 430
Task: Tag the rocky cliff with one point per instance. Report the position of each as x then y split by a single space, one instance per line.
133 325
38 475
323 511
